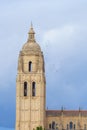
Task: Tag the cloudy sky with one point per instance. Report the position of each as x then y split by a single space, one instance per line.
61 31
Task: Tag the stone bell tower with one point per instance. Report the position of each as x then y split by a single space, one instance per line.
30 86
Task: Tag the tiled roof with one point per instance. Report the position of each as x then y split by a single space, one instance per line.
66 112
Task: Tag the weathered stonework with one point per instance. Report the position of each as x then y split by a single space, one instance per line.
30 110
63 119
31 95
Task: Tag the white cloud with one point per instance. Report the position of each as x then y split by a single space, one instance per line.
65 57
60 34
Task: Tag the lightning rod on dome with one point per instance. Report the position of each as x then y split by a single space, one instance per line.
31 25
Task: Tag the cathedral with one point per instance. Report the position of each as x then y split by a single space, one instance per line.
31 110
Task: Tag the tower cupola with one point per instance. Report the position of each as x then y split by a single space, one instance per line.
31 44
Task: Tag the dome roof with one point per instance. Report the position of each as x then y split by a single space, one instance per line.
31 44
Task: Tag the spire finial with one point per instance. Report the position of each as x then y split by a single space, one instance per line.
31 33
31 25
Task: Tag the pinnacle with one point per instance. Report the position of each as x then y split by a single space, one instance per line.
31 33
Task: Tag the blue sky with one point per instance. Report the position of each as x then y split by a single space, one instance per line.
61 31
5 128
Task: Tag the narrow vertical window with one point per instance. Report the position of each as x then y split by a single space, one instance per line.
49 126
25 88
33 89
53 125
71 125
74 126
30 66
